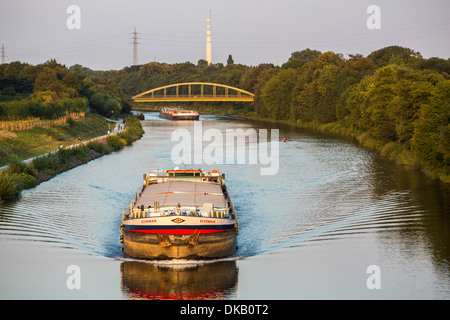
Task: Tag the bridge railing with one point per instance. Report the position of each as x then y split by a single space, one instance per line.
177 92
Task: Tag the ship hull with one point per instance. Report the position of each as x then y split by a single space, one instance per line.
178 117
209 245
179 237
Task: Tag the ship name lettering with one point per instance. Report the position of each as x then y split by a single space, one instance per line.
207 221
148 220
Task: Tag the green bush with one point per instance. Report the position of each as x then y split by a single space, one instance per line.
80 153
24 180
115 142
133 130
41 163
50 172
20 167
99 147
64 155
46 162
8 188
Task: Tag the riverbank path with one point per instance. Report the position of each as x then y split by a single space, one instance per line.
119 126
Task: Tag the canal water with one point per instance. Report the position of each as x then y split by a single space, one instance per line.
336 221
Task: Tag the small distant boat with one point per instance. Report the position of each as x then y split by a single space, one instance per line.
180 214
177 113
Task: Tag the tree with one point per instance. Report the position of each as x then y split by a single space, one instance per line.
346 78
153 68
230 60
48 81
202 63
299 58
436 64
305 55
364 66
262 78
395 54
277 94
112 107
431 139
231 75
249 78
97 102
71 81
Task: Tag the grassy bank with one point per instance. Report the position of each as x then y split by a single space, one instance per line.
19 176
22 145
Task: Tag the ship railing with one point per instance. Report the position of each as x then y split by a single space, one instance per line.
234 212
148 213
201 176
129 208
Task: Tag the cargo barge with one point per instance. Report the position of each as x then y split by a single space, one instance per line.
177 113
180 214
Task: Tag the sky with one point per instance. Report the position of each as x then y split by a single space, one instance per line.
252 31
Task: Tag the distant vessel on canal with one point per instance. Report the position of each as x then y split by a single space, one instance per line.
180 214
177 113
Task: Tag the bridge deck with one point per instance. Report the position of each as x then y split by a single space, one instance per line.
187 99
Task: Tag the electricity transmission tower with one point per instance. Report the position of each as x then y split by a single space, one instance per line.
135 52
3 54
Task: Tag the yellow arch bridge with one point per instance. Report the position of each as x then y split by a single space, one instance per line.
194 91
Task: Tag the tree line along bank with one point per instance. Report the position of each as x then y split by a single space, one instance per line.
393 100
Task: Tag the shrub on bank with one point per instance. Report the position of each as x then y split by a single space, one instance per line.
133 132
115 142
8 188
24 180
17 177
100 146
44 163
19 167
65 155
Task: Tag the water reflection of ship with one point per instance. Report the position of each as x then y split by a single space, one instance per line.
209 281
